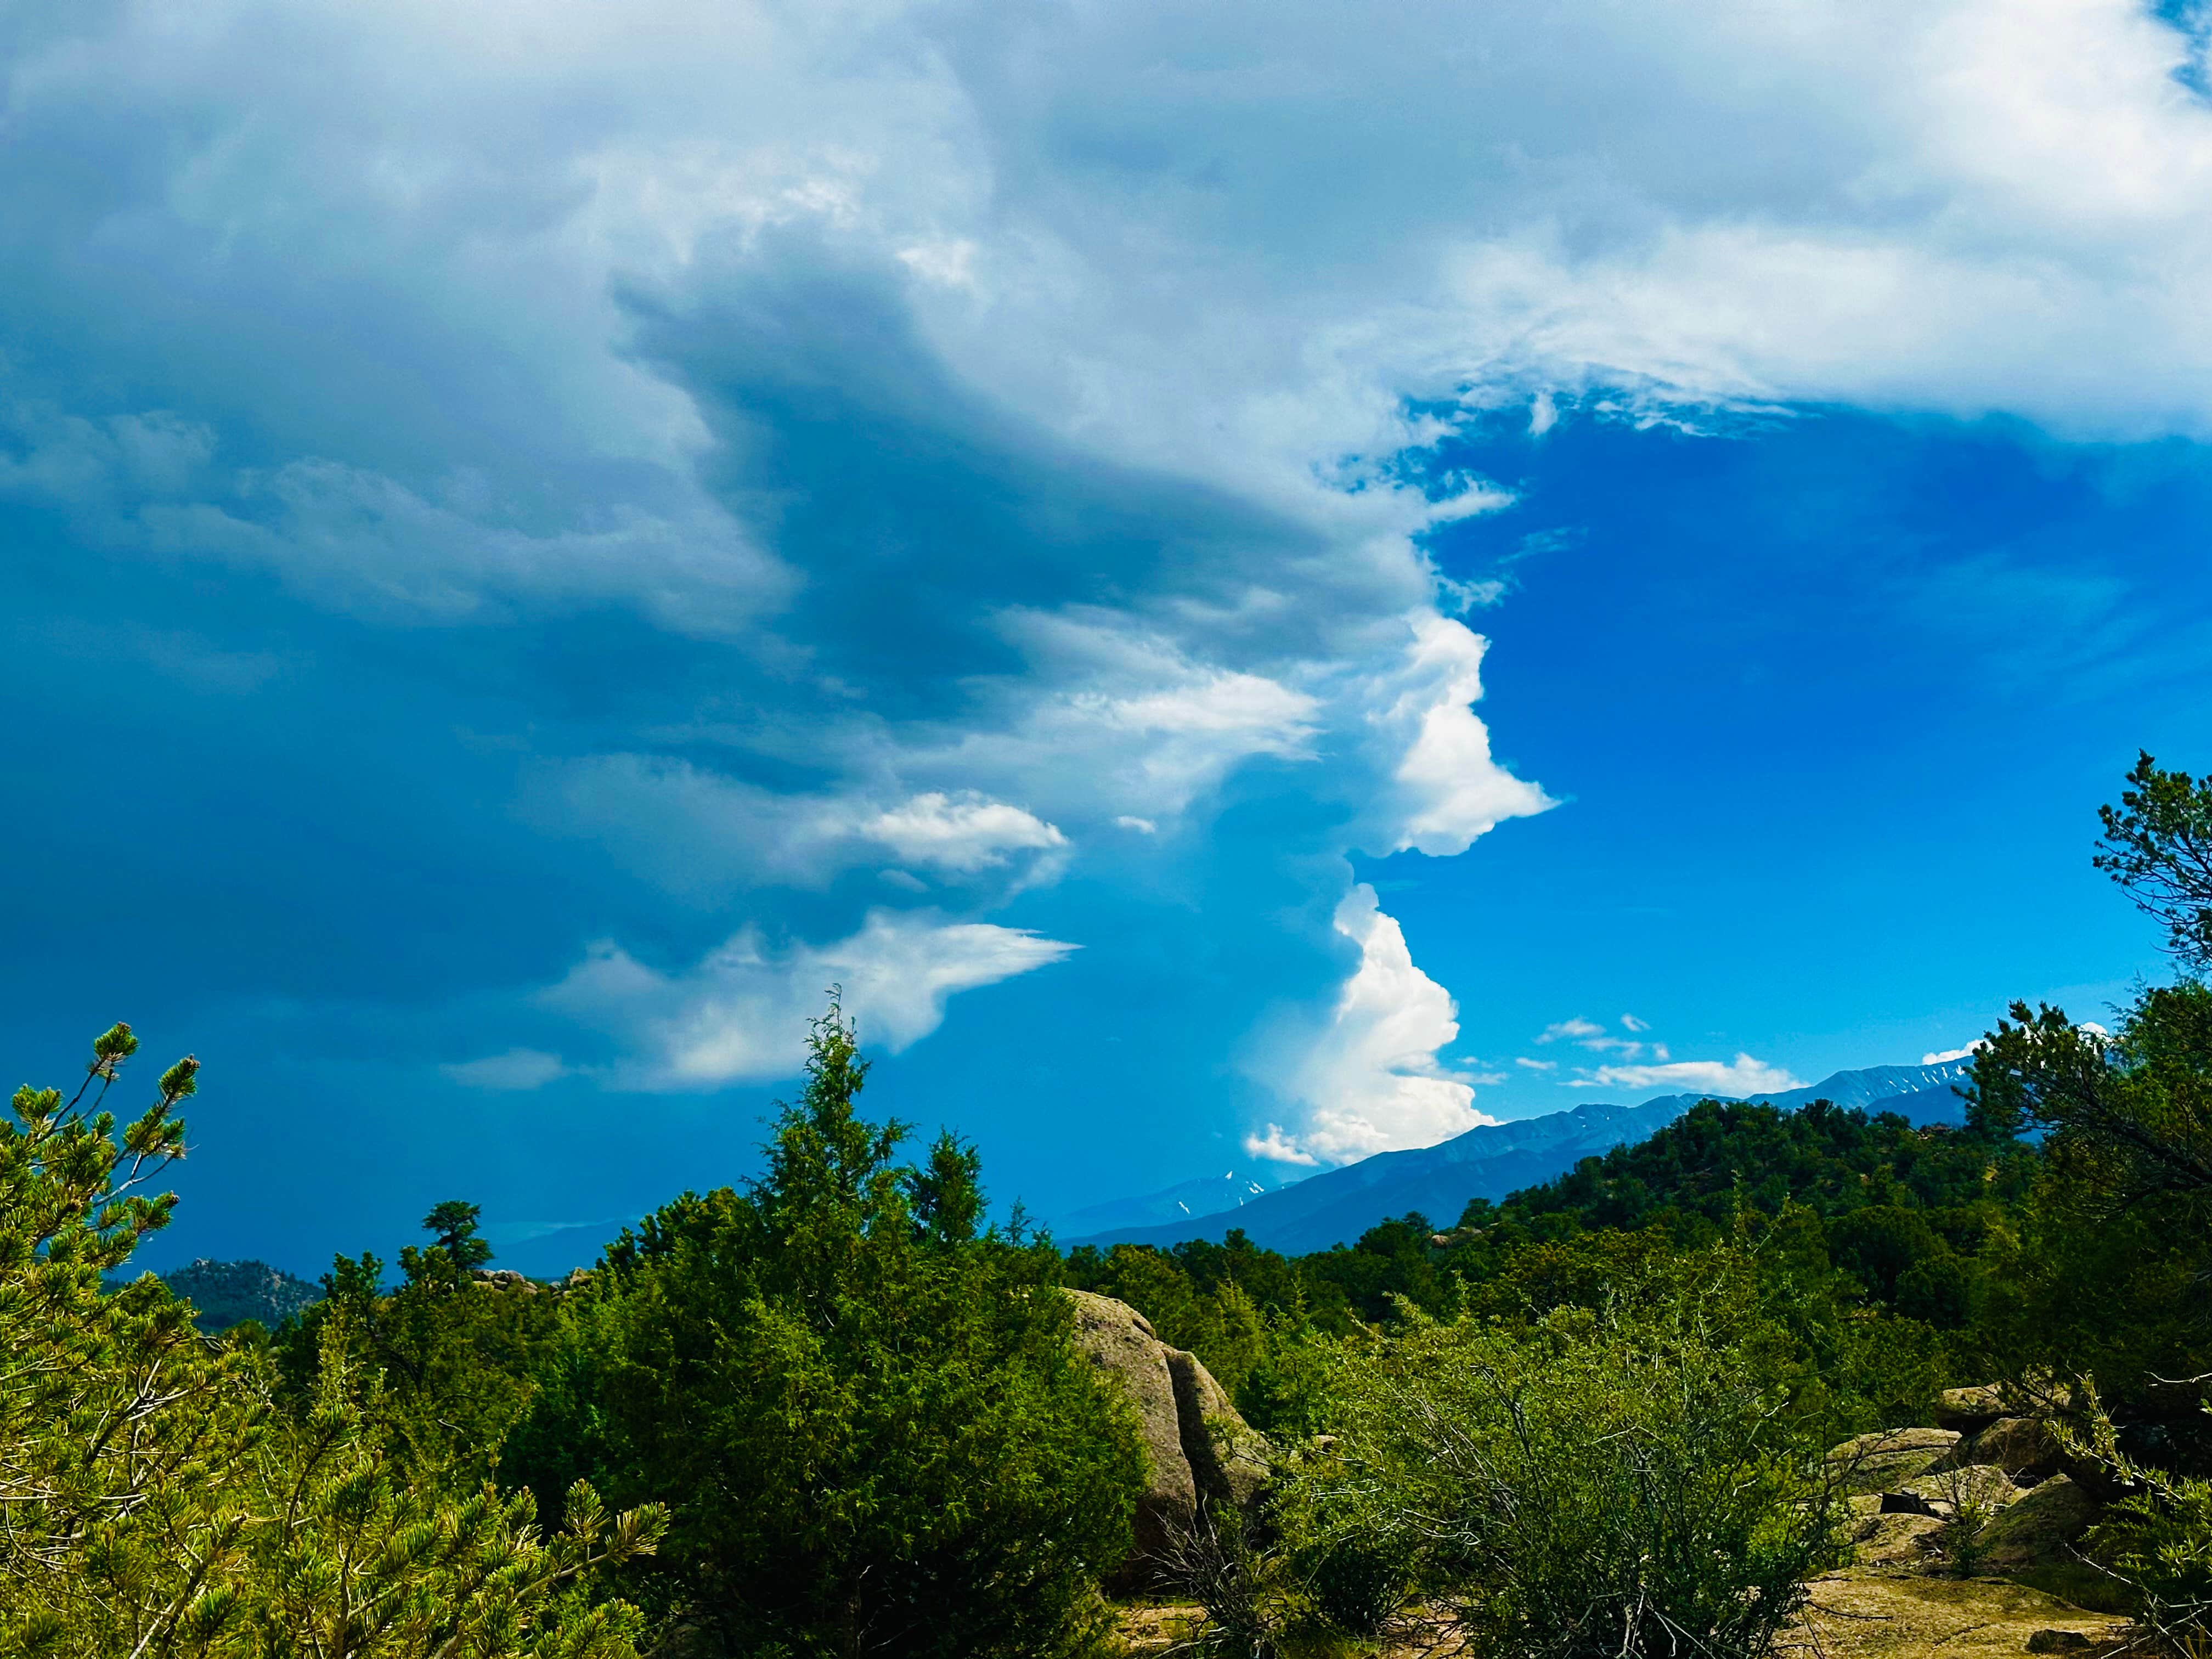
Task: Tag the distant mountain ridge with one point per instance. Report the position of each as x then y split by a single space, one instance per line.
1187 1200
1494 1159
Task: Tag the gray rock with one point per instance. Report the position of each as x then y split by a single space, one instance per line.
1196 1444
2025 1447
1969 1411
1886 1458
1228 1460
1895 1538
2042 1527
1979 1487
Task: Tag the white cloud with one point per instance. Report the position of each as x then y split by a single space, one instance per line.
517 1070
363 540
740 1015
1949 1055
1449 790
961 834
1731 1078
1279 1146
1536 1065
1157 727
370 542
1589 1034
1370 1077
1963 205
698 832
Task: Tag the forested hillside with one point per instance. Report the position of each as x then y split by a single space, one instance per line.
1491 1161
227 1293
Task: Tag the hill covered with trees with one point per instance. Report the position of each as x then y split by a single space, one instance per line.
227 1293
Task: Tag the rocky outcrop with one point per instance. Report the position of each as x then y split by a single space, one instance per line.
2025 1448
1228 1462
2040 1529
1892 1529
1977 1487
1969 1411
1977 1549
1887 1458
1196 1446
1888 1614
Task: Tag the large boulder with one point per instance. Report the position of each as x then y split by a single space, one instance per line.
1196 1446
1969 1411
1885 1459
1121 1341
1228 1460
2025 1447
2040 1529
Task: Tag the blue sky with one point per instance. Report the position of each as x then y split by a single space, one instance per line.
1257 586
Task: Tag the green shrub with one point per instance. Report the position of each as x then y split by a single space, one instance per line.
1594 1485
2156 1541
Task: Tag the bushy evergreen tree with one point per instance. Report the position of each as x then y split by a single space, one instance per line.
2157 845
445 1361
155 1502
2110 1273
869 1416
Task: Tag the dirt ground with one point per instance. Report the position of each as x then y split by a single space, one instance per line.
1859 1613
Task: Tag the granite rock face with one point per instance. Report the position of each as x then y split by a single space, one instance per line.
1887 1458
1228 1460
2025 1447
1197 1448
1969 1411
2042 1527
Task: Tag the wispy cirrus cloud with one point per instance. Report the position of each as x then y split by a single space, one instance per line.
1589 1034
741 1012
515 1070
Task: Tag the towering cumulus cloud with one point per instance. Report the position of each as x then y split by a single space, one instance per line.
900 488
1370 1080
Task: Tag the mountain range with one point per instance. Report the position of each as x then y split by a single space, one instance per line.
1187 1200
1336 1206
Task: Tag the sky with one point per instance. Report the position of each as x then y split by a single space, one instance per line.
1256 584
